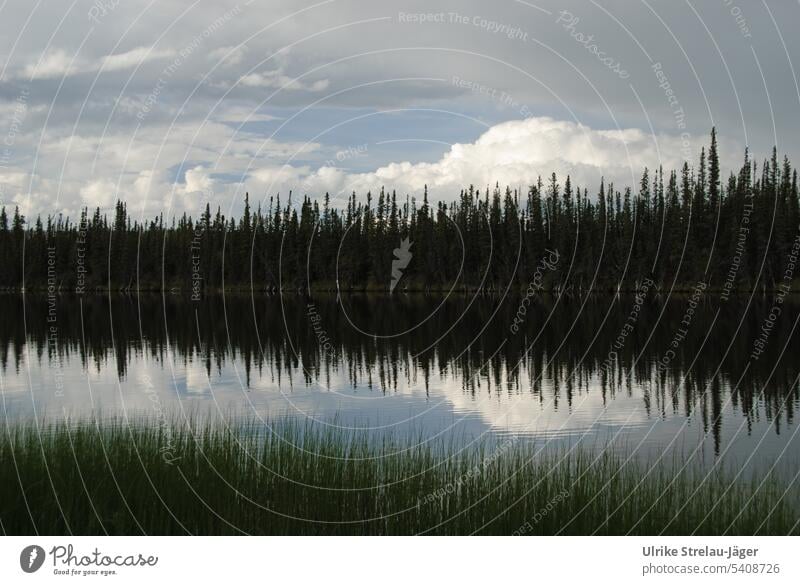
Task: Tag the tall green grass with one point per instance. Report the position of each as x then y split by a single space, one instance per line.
176 478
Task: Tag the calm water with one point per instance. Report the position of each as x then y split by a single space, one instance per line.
713 381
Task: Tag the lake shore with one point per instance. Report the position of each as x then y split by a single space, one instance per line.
162 476
572 291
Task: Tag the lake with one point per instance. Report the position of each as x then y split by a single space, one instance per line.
690 376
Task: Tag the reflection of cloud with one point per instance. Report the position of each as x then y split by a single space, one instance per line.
196 378
551 417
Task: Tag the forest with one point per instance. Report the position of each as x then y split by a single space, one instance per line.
676 228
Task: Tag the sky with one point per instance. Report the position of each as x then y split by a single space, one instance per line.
168 105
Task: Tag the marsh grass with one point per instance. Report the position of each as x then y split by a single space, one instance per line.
119 477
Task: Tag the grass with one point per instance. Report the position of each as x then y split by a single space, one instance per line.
171 478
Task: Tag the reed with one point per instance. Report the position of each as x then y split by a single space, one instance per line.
178 477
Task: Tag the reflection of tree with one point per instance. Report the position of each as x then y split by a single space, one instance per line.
555 355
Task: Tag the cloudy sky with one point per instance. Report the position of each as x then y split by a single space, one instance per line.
171 104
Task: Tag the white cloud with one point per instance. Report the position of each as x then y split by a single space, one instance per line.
197 180
51 65
219 161
99 193
95 169
229 56
512 153
276 80
133 58
242 114
58 63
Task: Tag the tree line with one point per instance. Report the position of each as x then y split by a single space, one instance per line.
677 228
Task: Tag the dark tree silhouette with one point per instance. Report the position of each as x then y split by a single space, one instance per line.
678 230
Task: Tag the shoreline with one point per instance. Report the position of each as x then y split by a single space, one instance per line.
192 296
163 476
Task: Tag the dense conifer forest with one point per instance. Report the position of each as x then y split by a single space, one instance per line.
676 228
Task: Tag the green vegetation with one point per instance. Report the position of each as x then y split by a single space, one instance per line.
676 227
170 478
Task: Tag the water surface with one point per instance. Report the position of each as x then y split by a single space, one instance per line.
688 377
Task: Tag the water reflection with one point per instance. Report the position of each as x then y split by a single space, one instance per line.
647 372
